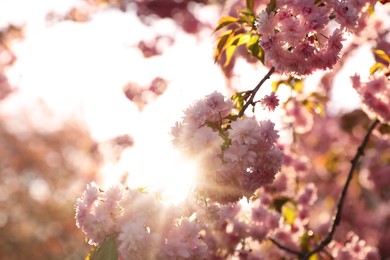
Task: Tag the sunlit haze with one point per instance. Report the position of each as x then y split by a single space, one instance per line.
79 70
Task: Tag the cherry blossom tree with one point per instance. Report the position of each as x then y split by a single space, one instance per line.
256 196
279 173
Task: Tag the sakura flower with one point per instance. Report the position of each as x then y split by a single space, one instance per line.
244 131
375 96
262 24
270 101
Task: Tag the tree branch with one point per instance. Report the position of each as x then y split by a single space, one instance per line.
292 251
340 204
254 91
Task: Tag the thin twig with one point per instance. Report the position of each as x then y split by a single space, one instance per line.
292 251
340 204
254 91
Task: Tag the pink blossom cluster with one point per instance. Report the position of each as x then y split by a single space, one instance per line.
235 230
375 172
144 228
295 35
375 95
296 114
235 157
354 248
230 229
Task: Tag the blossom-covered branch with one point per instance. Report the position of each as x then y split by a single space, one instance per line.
340 204
337 217
254 91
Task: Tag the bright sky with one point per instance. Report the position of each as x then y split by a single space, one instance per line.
79 69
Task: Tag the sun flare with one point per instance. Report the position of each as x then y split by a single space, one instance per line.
162 170
171 175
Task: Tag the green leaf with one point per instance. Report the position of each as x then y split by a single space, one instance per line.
232 117
315 103
305 240
232 45
289 212
239 99
240 39
244 39
225 21
377 67
246 18
230 50
221 44
382 55
254 48
370 10
106 250
247 11
276 84
296 84
320 96
279 202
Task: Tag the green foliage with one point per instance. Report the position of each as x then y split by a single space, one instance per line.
377 67
254 48
305 244
382 64
240 98
279 202
225 21
232 45
381 54
289 212
295 84
221 43
246 16
242 32
106 250
316 102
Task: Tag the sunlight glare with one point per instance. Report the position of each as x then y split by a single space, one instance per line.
165 172
179 181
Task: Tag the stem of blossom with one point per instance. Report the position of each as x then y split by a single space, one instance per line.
340 204
254 91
